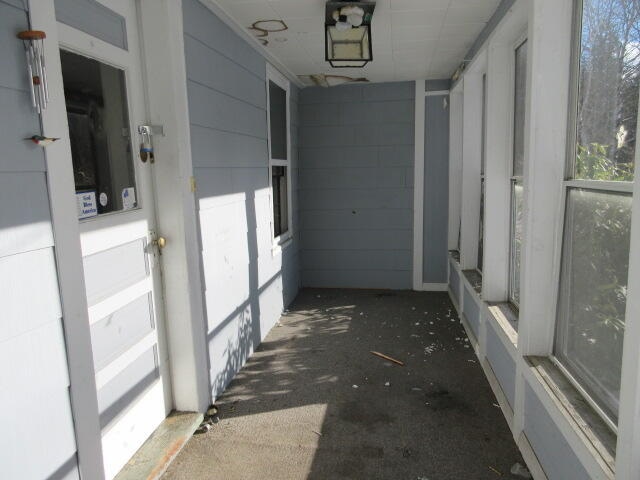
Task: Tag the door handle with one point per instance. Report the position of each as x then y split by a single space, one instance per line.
160 242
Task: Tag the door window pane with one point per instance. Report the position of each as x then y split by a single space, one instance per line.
99 133
593 292
608 90
280 200
278 121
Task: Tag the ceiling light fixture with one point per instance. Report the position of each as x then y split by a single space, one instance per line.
348 33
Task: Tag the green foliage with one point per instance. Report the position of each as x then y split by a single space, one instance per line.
593 163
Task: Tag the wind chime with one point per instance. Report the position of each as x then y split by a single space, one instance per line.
33 41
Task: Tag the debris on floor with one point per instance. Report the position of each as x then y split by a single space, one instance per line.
387 357
520 470
497 472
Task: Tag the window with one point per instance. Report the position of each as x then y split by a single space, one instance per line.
483 163
595 250
517 172
279 153
99 133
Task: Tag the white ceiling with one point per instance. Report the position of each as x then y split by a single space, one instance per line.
412 39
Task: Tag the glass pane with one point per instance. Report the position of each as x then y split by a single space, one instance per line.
520 98
278 121
593 292
280 200
517 212
350 44
608 90
98 117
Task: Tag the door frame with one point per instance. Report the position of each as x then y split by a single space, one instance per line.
161 49
421 94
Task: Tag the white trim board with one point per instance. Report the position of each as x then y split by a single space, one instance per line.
70 270
164 61
418 186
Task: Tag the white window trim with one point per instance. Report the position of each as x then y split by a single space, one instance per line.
284 240
513 178
568 184
456 100
471 161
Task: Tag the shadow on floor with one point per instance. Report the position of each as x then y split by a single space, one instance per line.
314 403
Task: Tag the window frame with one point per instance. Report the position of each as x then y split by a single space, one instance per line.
483 170
569 183
284 239
513 179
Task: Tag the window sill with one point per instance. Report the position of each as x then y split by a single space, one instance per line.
280 243
506 317
475 280
594 432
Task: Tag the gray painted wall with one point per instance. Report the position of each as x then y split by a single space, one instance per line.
554 454
246 285
31 320
436 189
356 185
503 364
471 311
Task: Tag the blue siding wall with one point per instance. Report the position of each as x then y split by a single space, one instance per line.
356 185
247 286
471 311
557 459
503 365
33 365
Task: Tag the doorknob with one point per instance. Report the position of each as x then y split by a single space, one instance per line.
160 242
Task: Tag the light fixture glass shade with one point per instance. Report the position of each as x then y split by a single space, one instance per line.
348 48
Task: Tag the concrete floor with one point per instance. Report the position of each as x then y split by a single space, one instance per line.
314 403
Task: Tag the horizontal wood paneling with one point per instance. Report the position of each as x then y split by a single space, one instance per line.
18 123
356 185
25 220
246 284
13 71
28 304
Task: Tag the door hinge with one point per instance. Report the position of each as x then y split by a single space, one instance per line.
192 182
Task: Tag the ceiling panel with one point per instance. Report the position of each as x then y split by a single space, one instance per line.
412 39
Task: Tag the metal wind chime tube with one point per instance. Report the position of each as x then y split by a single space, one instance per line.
33 41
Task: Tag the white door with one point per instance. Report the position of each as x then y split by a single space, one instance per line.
114 190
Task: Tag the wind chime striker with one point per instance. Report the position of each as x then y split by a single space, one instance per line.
33 41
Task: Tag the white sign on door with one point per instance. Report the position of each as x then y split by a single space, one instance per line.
87 205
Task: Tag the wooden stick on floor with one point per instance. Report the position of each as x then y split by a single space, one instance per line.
386 357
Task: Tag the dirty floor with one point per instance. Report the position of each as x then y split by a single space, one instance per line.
314 403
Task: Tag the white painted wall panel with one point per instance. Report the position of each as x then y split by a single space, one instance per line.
102 280
34 382
25 221
246 284
116 333
27 305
